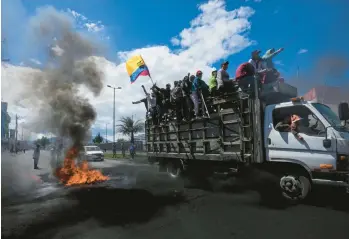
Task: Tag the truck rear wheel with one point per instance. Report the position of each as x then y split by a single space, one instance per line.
174 169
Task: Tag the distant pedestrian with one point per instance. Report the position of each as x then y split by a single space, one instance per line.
123 150
132 151
36 156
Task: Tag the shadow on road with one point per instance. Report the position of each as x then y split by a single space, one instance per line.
325 197
122 206
106 205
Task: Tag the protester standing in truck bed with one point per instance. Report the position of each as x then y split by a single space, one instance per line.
212 83
272 75
196 92
244 75
223 77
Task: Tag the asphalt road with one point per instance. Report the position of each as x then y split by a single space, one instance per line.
138 202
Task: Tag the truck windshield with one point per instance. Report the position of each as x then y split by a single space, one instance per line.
329 115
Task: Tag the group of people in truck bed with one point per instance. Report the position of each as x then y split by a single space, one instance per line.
182 102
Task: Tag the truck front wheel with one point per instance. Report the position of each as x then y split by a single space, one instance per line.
295 188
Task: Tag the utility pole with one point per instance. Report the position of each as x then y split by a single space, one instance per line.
16 133
114 145
106 132
298 73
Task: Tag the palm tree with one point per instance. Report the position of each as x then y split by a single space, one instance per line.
130 127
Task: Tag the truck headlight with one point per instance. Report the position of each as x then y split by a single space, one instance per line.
343 157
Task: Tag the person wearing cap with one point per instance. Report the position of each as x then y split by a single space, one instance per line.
223 76
255 59
212 83
196 92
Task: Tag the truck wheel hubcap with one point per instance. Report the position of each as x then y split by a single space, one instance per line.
291 186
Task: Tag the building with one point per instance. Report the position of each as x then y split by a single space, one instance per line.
328 95
140 138
5 121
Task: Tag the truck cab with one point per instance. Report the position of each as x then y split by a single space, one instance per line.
324 150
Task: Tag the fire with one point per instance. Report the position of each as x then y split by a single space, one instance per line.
73 174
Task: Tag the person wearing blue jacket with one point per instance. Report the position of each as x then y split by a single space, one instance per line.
196 91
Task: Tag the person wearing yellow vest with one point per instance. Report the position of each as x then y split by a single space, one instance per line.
212 83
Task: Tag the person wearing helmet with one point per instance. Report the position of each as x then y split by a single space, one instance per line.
295 123
196 92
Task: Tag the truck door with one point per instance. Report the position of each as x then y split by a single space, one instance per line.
282 145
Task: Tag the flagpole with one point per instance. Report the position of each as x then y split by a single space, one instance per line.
151 79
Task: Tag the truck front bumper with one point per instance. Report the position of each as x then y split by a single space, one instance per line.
340 183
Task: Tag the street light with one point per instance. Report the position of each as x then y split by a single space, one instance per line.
114 146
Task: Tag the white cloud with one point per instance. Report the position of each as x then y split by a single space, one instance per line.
94 27
279 63
84 22
77 15
35 61
302 51
213 35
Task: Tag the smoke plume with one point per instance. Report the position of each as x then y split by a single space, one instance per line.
56 89
328 69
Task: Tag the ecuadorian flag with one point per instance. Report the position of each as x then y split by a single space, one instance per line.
135 67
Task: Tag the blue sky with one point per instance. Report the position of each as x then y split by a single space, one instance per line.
317 26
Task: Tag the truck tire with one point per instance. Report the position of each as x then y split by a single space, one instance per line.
295 188
174 169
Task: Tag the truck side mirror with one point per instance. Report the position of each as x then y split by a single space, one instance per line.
327 143
343 111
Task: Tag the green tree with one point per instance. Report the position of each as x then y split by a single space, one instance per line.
98 139
130 127
43 141
121 140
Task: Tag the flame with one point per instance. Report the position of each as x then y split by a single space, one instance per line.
73 174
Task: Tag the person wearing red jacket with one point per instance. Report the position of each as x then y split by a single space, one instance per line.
244 75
